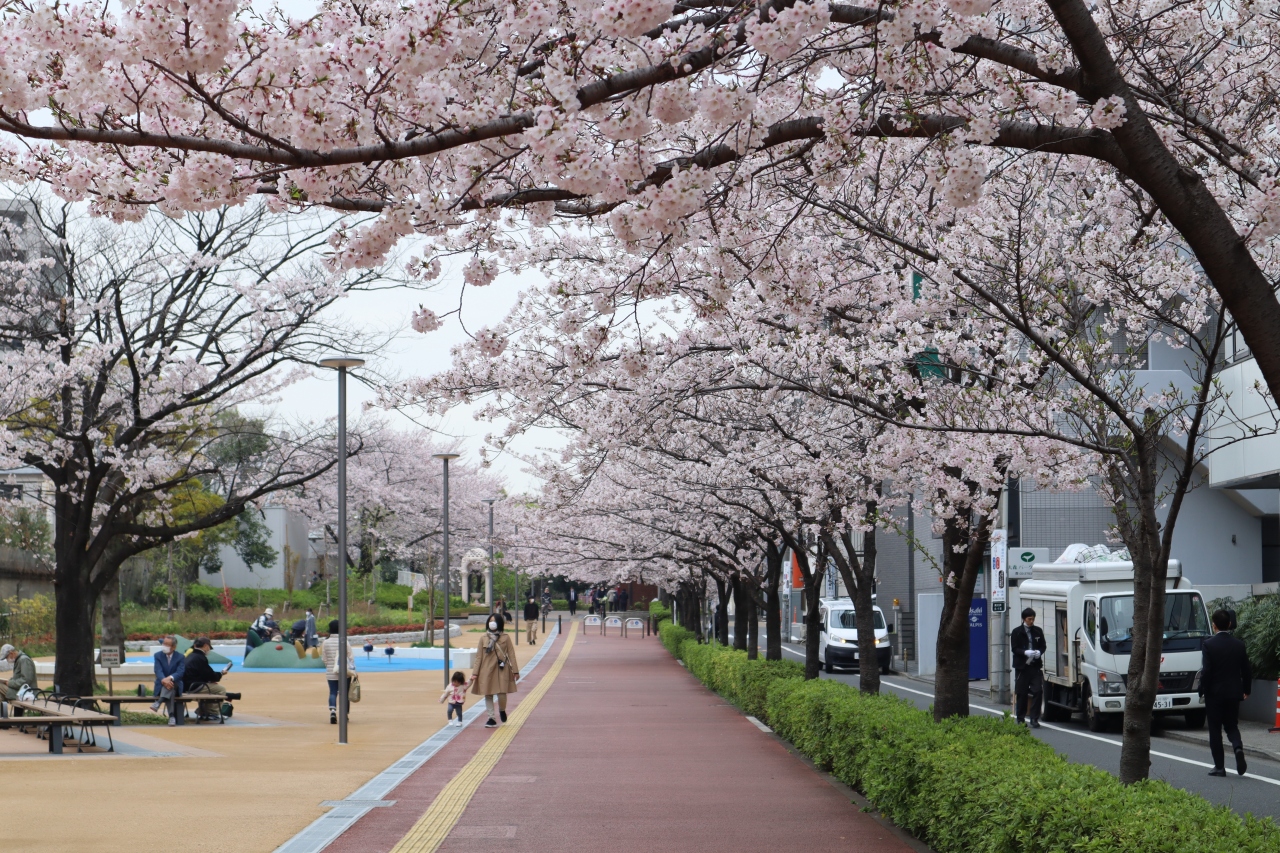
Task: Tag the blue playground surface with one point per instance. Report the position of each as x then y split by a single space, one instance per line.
376 662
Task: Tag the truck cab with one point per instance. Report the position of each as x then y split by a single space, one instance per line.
1086 613
838 640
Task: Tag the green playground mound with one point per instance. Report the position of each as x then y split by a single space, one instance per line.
280 656
184 645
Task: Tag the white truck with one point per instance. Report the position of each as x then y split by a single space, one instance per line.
1086 613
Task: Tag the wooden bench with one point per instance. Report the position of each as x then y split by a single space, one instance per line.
114 703
58 716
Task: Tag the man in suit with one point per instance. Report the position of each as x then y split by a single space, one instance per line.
573 600
1028 648
168 666
1225 679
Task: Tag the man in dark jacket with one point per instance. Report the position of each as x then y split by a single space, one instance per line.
572 598
1028 648
1225 679
531 621
199 677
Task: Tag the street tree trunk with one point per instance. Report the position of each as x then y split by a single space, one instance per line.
773 602
813 577
720 626
739 612
753 625
960 573
859 578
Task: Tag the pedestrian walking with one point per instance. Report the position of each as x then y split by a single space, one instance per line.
1028 644
496 672
573 601
455 694
329 650
546 599
531 621
1225 680
613 600
310 638
623 598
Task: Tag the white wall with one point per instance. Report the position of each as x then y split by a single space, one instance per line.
284 527
1202 538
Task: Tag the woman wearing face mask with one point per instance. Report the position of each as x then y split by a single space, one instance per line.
496 670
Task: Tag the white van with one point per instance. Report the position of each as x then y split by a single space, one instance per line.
838 642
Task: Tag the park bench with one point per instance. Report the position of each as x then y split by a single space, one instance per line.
114 703
58 715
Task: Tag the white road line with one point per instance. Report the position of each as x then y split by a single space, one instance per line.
1088 735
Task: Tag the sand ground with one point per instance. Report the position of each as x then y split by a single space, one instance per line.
239 787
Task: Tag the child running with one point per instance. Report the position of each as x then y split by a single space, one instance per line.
456 694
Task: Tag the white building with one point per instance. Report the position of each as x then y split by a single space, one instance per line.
288 534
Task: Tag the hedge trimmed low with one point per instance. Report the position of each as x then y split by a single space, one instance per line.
974 785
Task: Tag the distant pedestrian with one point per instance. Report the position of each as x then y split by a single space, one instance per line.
1225 680
496 672
531 621
311 639
573 601
329 650
455 694
613 600
546 599
623 598
265 624
1028 645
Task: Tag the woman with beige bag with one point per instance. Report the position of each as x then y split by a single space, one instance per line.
329 650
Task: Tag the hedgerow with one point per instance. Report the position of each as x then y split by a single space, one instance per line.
973 785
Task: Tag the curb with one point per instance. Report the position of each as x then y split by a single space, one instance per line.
973 691
1256 752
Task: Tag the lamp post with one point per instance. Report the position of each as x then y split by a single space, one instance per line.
488 572
444 458
342 364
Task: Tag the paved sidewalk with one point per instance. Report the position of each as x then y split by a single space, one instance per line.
628 752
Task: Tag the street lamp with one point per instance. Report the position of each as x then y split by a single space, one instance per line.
488 574
342 364
445 457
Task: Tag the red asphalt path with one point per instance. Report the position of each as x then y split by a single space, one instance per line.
630 753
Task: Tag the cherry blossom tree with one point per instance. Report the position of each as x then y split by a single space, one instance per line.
438 115
124 354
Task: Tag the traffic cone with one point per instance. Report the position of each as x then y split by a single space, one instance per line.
1276 727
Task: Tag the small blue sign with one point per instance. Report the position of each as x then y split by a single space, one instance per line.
978 655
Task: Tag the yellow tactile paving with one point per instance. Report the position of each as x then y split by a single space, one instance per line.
435 825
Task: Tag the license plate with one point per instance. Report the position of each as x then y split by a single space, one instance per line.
1163 702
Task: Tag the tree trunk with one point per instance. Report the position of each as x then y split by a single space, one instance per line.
753 626
720 628
739 612
773 603
951 682
812 628
73 645
858 575
112 621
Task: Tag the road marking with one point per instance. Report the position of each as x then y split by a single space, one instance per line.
1088 735
434 826
759 725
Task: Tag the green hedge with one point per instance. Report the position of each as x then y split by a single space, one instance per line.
657 612
974 785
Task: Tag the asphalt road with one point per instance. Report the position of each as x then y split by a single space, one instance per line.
1183 765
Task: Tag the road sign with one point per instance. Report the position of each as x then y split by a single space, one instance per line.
999 567
109 657
1020 560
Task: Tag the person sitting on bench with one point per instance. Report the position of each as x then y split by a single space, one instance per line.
199 677
24 671
168 668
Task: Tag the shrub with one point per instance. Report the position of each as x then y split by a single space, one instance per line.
657 612
978 784
205 598
1259 629
559 604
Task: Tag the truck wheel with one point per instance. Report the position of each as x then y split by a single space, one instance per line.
827 666
886 670
1094 719
1195 719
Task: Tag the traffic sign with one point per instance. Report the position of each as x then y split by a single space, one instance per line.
997 606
